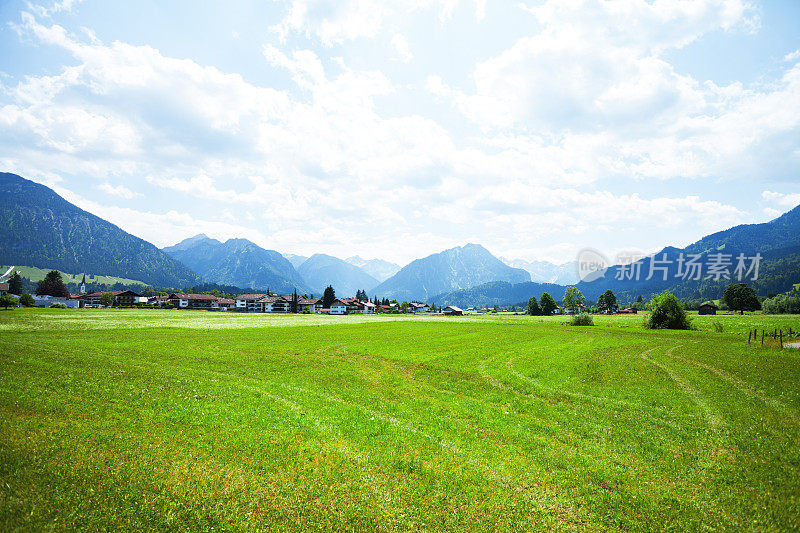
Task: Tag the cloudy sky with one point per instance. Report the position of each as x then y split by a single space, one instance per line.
398 129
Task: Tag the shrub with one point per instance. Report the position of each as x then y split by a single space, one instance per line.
782 303
58 305
26 300
667 312
7 301
582 319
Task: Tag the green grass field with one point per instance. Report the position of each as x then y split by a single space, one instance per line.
169 420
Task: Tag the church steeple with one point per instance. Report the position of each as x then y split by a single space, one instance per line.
83 284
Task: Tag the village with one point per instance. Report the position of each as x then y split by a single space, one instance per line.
268 302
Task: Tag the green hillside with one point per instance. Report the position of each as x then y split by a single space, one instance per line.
38 274
41 229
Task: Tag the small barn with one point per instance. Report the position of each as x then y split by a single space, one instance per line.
452 310
707 308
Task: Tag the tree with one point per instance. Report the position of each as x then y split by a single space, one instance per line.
328 296
667 312
573 298
404 307
607 300
53 285
741 297
548 304
26 300
107 299
533 307
15 283
7 301
293 305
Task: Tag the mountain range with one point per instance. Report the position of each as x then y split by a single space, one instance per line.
238 262
39 228
778 242
457 268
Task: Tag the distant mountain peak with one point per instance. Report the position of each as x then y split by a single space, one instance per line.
456 268
377 268
239 262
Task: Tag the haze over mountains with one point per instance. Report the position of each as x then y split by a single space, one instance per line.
321 270
377 268
546 272
39 228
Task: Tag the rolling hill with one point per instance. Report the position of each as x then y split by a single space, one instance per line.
457 268
39 228
238 262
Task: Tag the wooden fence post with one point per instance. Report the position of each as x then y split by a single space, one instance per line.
762 337
749 335
781 339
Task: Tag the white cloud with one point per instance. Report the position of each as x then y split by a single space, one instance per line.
335 22
402 48
327 164
118 190
792 57
782 199
53 8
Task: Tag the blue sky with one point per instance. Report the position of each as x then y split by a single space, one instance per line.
398 129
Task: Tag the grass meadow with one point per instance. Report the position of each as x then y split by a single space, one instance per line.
178 420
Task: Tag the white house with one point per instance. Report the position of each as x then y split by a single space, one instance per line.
247 302
416 307
338 307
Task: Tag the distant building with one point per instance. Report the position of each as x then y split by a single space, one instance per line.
192 301
247 302
3 288
121 298
452 310
82 289
312 305
416 307
273 304
45 300
707 308
223 304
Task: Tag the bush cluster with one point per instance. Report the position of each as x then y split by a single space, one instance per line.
667 312
582 319
781 304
